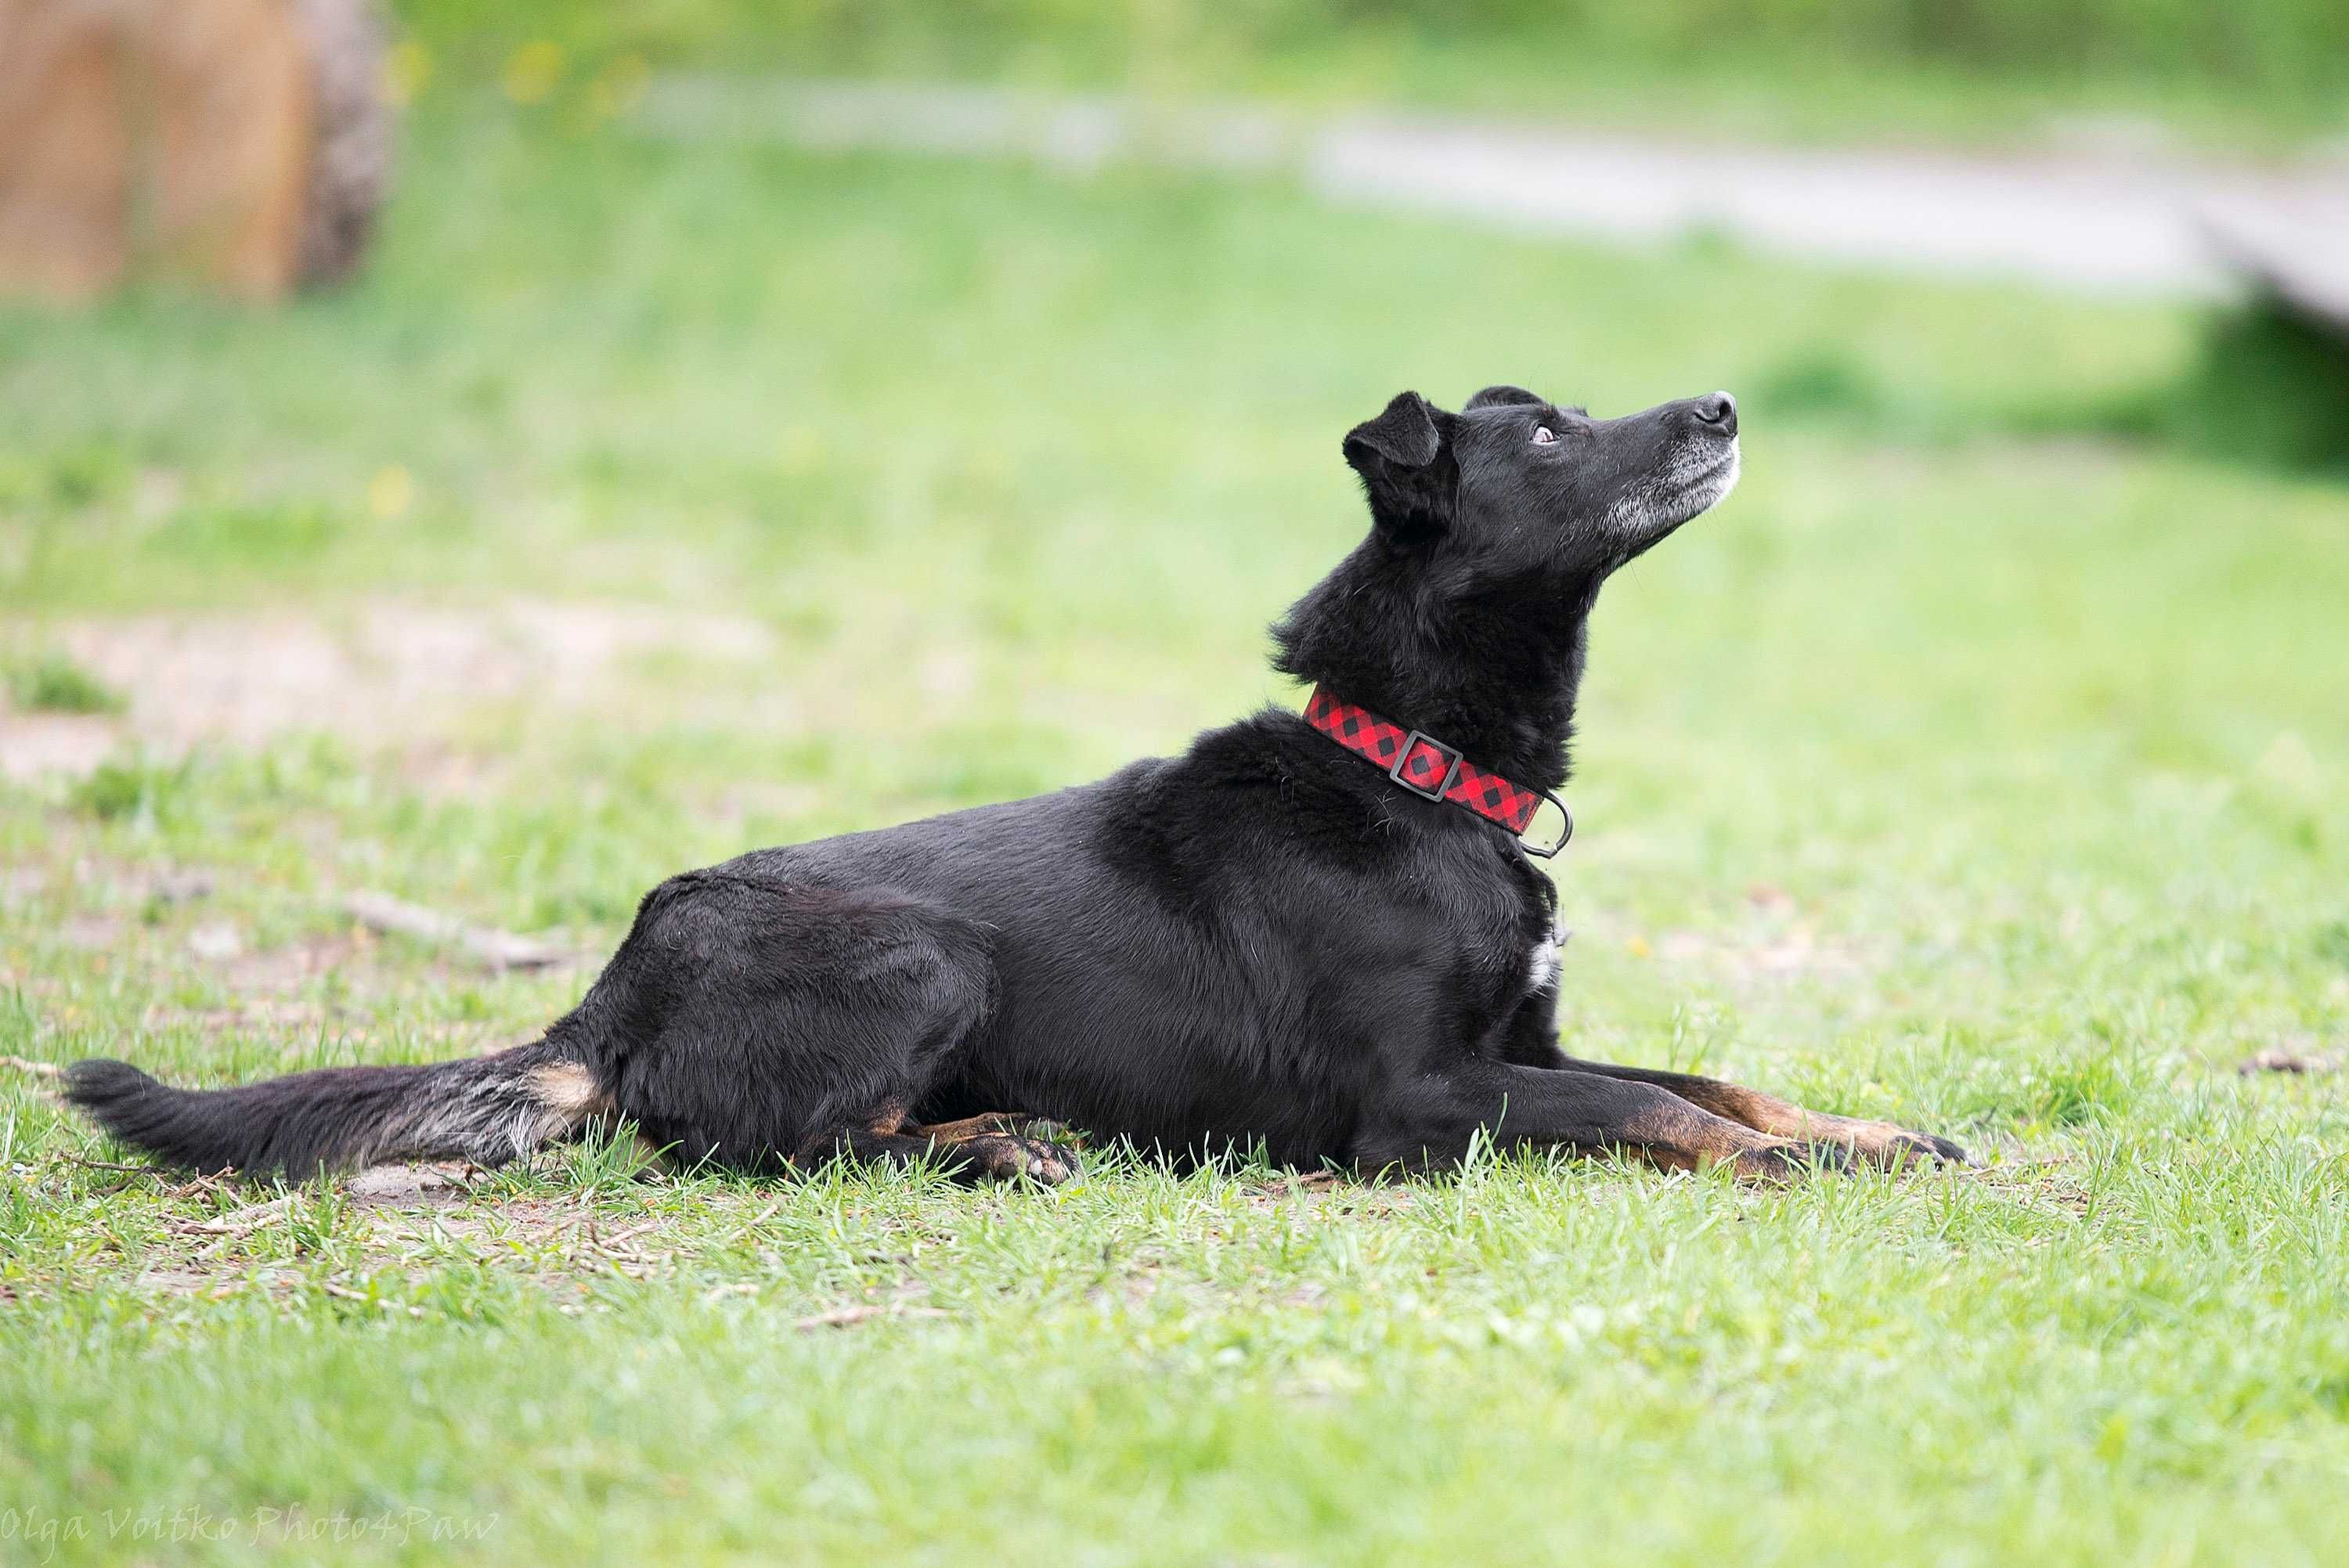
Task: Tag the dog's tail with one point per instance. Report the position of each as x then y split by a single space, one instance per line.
488 1110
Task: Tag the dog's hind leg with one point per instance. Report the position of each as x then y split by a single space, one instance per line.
1006 1143
768 1023
978 1149
996 1124
965 1128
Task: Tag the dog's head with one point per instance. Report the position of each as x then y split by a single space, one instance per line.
1515 489
1465 611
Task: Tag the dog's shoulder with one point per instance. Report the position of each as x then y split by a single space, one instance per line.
1269 776
1267 807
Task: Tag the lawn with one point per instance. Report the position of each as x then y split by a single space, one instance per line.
2266 77
650 501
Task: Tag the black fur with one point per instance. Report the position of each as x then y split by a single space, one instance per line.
484 1109
1263 941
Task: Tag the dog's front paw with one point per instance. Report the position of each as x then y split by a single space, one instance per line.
1891 1148
1790 1160
1006 1157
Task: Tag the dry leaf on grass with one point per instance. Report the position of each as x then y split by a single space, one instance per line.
409 1186
849 1317
486 945
238 1222
2276 1060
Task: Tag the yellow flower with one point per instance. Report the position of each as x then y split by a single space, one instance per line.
801 451
405 71
533 70
391 492
618 86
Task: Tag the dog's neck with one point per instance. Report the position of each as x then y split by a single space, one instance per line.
1486 670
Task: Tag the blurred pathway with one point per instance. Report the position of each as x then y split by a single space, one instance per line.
2110 225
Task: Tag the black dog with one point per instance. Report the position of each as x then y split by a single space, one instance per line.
1321 935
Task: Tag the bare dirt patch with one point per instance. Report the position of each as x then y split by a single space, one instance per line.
412 1221
1761 957
1772 942
381 674
93 933
33 744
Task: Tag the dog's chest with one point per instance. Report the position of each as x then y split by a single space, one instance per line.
1516 939
1541 963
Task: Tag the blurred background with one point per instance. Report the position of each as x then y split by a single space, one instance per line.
504 454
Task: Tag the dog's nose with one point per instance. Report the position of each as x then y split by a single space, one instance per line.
1717 409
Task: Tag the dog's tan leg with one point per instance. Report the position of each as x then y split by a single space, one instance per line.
973 1149
994 1124
1434 1120
1004 1155
1878 1142
1005 1144
1678 1134
970 1127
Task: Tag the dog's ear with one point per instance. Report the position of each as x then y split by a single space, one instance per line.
1404 456
1497 397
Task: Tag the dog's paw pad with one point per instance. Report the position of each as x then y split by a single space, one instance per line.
1006 1157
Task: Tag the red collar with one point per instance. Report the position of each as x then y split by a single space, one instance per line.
1435 771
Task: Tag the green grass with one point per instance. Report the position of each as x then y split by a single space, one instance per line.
2262 75
53 683
1995 785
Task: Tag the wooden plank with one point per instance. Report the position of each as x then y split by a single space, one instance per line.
2294 250
236 144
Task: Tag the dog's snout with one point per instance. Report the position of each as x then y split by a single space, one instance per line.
1718 409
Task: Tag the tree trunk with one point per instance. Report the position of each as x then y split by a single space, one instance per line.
241 145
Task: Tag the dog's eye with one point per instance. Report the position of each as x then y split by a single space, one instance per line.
1544 434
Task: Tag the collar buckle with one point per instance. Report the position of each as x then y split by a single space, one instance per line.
1412 743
